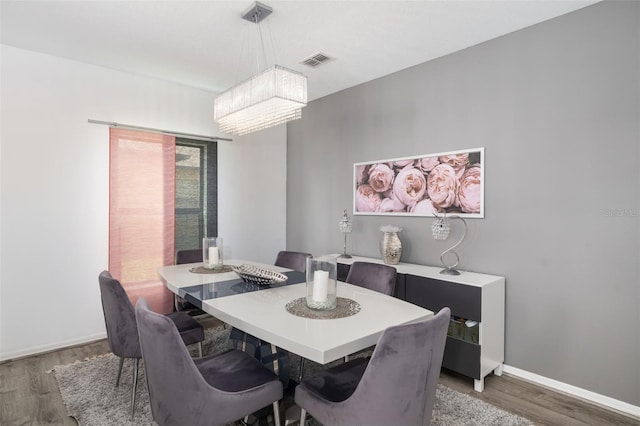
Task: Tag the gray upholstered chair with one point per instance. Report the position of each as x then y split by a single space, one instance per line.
293 260
188 256
397 386
122 331
182 257
373 276
214 390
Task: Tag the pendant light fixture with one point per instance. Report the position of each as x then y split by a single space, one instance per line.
273 96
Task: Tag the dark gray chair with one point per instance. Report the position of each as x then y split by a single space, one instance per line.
122 331
374 276
214 390
182 257
293 260
397 386
188 256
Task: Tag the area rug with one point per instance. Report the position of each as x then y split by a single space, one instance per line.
88 391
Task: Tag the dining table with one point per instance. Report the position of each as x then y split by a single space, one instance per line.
276 313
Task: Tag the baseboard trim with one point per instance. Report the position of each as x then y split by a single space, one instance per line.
596 398
47 348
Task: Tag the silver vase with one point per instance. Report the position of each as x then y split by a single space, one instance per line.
391 248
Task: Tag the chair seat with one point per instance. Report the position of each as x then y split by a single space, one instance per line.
190 330
335 384
235 371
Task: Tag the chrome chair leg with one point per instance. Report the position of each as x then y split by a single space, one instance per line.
133 388
303 416
119 372
276 413
301 368
200 349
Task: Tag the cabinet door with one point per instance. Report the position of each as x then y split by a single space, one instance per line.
463 300
463 357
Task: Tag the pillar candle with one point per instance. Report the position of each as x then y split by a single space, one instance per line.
320 286
213 256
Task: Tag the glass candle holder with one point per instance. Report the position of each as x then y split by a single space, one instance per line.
212 252
322 273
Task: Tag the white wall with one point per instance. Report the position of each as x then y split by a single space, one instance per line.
54 178
253 195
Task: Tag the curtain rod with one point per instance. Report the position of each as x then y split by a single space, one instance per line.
164 132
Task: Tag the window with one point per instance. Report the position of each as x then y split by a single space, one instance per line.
196 213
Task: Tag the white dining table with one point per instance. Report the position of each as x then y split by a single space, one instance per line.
261 311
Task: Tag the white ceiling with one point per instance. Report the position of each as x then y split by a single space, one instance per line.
206 44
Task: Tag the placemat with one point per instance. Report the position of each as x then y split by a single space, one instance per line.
203 270
344 308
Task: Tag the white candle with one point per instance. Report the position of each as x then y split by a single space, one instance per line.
213 256
320 286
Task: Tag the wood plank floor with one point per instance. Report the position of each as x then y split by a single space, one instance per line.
29 395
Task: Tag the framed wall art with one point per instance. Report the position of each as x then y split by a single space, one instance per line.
447 182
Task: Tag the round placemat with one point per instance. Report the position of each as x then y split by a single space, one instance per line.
344 308
203 270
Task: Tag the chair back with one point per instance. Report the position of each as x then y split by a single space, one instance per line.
176 387
373 276
293 260
406 364
188 256
119 318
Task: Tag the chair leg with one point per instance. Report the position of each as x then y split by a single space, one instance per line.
135 384
119 372
301 368
303 416
200 349
276 413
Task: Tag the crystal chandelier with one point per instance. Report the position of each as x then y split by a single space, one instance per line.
273 96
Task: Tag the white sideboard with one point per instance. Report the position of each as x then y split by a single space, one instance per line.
474 352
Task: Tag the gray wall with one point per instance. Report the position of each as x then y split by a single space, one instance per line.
556 107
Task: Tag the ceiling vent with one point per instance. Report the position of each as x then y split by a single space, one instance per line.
315 60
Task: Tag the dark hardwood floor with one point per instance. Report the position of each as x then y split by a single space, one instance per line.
29 394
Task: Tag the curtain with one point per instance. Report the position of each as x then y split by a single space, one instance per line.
142 213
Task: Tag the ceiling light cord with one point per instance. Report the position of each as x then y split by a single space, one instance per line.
264 51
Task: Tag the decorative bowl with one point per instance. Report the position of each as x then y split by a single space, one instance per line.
257 275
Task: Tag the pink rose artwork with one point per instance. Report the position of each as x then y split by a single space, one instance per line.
469 191
442 186
362 174
402 163
380 177
424 208
392 204
367 200
457 161
427 164
409 186
445 183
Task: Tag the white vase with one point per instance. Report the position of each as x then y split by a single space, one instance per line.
391 248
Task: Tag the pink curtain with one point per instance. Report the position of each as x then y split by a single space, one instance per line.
142 213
